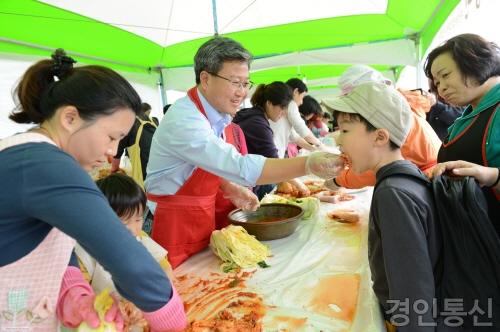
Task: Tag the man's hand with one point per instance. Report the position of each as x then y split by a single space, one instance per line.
323 164
240 196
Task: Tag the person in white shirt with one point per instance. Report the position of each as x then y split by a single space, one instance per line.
190 159
292 128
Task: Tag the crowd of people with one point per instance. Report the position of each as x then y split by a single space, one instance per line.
61 232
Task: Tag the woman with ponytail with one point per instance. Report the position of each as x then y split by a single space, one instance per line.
48 201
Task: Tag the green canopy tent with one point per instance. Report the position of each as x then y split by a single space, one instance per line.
315 40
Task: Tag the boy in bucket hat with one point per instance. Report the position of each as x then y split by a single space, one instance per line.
404 238
420 147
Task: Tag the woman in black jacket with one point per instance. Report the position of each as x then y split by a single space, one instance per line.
269 102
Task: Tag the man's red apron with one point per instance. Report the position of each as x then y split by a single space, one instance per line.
235 136
183 222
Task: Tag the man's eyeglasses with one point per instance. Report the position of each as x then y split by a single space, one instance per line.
236 84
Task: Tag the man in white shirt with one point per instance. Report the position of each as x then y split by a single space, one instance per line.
190 159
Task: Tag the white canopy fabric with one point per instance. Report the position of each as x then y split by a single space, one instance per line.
391 53
288 38
170 22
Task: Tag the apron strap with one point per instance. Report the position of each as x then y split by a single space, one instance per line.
28 137
193 95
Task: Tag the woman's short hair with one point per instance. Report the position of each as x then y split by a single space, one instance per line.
475 57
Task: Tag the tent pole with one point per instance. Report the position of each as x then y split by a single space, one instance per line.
214 12
418 64
161 86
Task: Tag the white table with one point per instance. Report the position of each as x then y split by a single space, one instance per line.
311 282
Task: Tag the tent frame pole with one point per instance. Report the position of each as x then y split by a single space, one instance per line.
161 86
418 63
214 12
418 43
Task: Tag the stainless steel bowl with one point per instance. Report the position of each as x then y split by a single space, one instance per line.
270 221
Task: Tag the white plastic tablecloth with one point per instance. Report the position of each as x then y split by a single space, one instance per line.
304 271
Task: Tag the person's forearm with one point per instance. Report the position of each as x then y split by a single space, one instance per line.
311 139
278 170
225 184
304 144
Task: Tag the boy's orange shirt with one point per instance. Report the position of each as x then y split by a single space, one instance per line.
421 147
